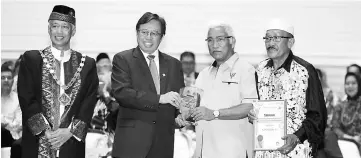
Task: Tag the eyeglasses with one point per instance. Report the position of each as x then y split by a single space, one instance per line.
188 62
274 38
6 78
220 40
57 26
145 33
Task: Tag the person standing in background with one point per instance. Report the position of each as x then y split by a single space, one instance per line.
16 72
11 127
332 150
103 124
188 60
354 68
346 121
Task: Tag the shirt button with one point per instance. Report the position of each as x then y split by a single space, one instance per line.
154 122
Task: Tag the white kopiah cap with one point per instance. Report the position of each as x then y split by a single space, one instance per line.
279 24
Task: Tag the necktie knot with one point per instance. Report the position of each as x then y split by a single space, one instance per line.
62 54
151 57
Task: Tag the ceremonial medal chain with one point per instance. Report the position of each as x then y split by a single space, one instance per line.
51 69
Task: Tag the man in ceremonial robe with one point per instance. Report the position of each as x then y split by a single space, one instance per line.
57 93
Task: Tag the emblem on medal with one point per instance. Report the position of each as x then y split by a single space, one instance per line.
64 99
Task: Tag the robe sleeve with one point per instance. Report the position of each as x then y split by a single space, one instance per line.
81 120
30 107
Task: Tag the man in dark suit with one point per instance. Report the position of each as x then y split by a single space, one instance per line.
188 60
57 90
145 82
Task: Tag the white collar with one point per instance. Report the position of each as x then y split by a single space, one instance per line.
156 55
56 54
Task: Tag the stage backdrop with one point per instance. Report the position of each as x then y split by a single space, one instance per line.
327 32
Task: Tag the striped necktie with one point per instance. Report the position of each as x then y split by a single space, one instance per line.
154 72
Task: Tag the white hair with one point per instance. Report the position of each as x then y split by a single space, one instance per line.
227 28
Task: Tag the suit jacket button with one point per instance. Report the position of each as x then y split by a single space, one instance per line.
154 122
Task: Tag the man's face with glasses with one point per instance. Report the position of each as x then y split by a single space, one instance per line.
278 43
149 36
220 44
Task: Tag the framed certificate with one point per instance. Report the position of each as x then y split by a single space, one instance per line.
270 126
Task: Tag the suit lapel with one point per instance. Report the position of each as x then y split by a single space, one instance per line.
144 68
163 66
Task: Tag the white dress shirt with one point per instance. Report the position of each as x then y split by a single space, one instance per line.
62 60
224 87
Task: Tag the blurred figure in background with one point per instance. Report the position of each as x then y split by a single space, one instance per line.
15 73
331 99
10 109
101 131
346 121
332 150
11 121
188 61
354 68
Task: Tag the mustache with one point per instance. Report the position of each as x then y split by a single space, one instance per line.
272 47
215 51
5 86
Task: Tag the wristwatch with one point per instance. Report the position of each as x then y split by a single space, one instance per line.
216 113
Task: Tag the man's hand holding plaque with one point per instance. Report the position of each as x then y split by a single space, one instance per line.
269 121
291 142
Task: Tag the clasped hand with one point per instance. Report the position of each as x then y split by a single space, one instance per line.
181 120
58 137
198 113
